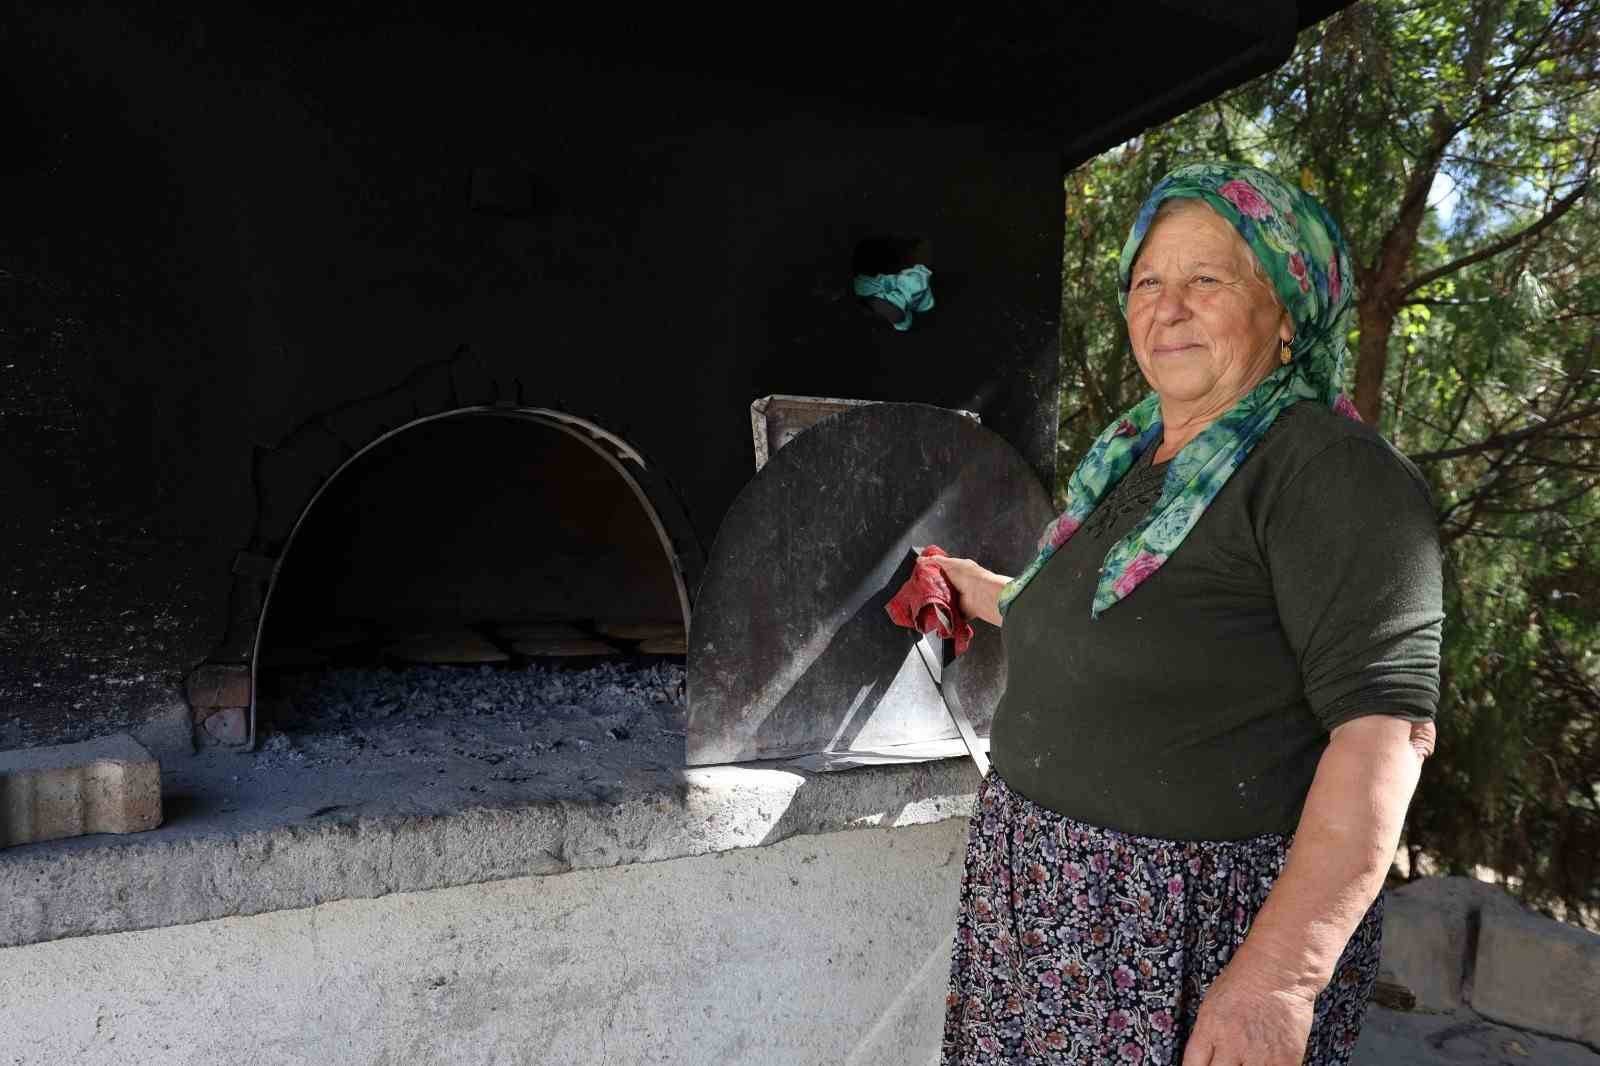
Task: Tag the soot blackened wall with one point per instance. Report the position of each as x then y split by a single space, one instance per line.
247 246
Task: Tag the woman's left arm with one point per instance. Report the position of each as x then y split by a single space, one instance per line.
1259 1009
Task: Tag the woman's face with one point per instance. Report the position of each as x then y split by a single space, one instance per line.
1205 329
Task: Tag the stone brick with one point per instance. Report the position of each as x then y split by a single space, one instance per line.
1538 973
363 423
475 382
229 725
245 600
108 785
289 476
1427 936
432 390
219 685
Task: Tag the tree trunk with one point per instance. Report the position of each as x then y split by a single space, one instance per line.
1383 282
1376 315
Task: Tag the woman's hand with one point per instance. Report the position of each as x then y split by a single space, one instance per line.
1247 1021
977 590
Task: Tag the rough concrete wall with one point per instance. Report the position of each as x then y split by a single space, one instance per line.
822 949
235 225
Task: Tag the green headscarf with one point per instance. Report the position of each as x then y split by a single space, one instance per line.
1304 255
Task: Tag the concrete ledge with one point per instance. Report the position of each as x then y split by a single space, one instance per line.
175 877
830 948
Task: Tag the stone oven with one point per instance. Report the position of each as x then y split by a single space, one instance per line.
476 534
329 327
453 319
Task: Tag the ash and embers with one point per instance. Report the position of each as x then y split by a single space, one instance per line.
538 732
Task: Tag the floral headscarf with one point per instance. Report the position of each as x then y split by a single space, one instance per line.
1306 258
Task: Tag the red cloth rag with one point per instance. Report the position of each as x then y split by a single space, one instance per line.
927 603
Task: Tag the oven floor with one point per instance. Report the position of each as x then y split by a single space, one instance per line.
429 740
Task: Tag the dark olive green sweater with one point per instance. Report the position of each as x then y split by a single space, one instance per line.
1308 594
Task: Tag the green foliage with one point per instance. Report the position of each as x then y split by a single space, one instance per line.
1454 142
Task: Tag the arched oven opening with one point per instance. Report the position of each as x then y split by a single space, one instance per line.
487 584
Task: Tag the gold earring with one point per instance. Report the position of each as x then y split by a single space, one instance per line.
1285 354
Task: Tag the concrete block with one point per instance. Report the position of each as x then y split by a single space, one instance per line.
1538 973
1428 935
219 685
108 785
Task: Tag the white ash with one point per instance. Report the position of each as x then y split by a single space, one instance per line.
550 732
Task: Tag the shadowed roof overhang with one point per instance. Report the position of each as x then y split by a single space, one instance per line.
1083 76
1087 76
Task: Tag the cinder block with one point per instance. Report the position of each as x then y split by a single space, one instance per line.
218 685
1427 936
1537 973
108 785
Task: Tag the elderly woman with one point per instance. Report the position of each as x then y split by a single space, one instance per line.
1222 672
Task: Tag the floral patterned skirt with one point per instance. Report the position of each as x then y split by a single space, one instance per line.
1078 945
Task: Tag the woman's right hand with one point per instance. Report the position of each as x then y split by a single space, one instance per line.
977 590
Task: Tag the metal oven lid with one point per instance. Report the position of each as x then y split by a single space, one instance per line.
791 653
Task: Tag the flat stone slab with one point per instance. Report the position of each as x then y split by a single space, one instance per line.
1458 1038
108 785
1429 927
240 842
642 630
1539 974
458 648
562 647
674 645
540 631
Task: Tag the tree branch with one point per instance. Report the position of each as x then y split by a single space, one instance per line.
1561 207
1542 506
1502 441
1429 301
